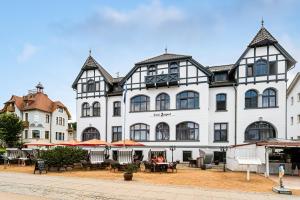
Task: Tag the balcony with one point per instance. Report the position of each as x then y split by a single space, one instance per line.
25 124
161 80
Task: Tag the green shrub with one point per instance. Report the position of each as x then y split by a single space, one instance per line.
2 151
131 168
60 156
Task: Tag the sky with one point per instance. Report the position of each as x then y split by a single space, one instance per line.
48 41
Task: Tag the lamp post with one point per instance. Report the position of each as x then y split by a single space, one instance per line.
223 150
172 148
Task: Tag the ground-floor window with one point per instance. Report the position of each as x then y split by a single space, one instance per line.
186 156
260 131
116 133
220 132
90 133
26 134
59 136
36 134
46 134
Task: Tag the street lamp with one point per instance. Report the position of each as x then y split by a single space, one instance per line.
223 150
172 148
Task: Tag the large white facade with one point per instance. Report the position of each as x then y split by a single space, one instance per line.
202 108
43 119
293 109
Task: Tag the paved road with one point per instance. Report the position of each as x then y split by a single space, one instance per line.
14 185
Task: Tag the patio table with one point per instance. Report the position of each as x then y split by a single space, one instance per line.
161 165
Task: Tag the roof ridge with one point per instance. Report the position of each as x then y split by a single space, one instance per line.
163 57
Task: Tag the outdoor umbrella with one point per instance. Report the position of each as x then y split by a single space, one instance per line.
127 143
69 143
94 142
39 143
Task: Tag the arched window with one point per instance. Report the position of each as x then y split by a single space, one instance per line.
85 110
187 131
139 132
151 70
261 67
163 102
269 98
221 102
187 100
260 131
91 86
96 109
90 133
140 103
173 68
251 99
162 131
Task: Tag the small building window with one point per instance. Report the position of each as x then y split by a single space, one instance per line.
162 132
91 86
47 119
85 110
117 108
186 156
173 68
26 117
221 76
272 68
96 109
298 95
298 118
221 102
261 67
269 98
292 121
163 102
250 70
36 134
292 100
46 134
187 131
116 133
151 70
26 134
140 103
220 132
139 132
187 100
251 99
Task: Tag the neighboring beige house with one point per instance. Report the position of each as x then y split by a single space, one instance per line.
293 108
43 118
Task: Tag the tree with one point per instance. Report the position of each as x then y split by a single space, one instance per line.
11 128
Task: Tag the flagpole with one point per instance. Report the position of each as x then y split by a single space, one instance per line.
124 120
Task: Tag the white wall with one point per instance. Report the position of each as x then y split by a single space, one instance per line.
293 110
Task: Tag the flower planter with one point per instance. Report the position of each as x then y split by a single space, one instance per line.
128 176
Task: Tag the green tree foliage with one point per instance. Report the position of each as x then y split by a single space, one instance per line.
60 156
11 128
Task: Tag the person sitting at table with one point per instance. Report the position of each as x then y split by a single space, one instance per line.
160 159
154 159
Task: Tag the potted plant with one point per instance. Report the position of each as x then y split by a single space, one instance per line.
128 171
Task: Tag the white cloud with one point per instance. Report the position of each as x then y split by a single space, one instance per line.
28 51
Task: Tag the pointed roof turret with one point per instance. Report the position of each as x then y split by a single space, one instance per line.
263 37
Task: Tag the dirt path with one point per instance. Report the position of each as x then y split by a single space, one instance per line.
63 188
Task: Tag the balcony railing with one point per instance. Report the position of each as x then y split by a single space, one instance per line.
161 80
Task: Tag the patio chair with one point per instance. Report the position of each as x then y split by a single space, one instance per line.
12 154
173 166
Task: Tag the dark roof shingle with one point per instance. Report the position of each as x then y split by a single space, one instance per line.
263 37
163 57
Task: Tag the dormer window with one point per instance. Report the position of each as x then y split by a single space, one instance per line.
221 76
173 68
151 70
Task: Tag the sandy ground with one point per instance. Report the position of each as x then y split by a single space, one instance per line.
185 176
12 196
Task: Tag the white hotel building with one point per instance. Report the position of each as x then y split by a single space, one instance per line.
174 100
